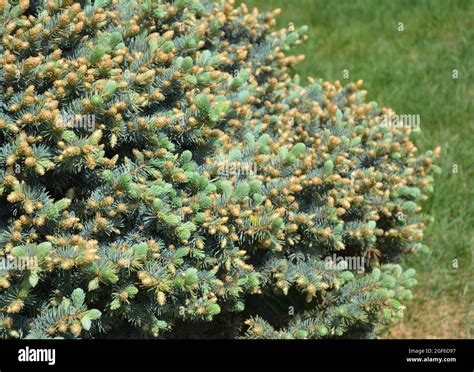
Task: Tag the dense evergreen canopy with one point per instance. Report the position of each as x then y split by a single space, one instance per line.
172 178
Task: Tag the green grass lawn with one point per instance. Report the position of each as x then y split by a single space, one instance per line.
412 72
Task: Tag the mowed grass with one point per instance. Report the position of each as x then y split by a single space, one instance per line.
412 72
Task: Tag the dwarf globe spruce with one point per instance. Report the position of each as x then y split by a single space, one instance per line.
134 228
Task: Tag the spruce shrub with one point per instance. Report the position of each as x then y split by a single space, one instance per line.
169 176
